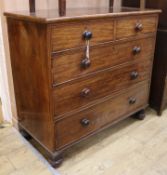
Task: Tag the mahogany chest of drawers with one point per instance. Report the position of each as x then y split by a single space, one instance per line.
77 74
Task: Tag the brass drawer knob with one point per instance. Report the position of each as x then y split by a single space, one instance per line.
85 122
139 27
134 75
85 63
136 50
87 35
85 92
132 101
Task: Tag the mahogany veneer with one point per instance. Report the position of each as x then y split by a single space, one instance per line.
158 95
78 74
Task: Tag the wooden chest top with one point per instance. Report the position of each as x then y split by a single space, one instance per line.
50 16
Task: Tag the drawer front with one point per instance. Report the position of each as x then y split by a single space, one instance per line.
84 123
69 66
70 35
84 92
127 27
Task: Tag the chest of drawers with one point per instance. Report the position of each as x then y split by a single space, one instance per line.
78 74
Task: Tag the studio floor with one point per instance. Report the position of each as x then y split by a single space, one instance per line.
131 147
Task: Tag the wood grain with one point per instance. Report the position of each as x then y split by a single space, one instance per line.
53 94
101 85
70 35
102 57
158 96
71 129
31 78
126 26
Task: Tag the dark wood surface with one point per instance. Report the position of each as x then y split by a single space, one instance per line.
51 103
70 35
32 6
100 85
62 7
101 56
100 115
158 96
111 3
31 75
127 27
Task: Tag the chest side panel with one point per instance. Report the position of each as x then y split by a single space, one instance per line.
30 68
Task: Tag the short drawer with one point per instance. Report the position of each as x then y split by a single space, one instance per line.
70 34
84 92
68 66
134 26
88 121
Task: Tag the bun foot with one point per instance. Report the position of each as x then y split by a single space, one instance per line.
140 115
57 161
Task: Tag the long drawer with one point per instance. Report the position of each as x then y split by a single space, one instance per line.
70 35
68 66
84 123
87 90
134 26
